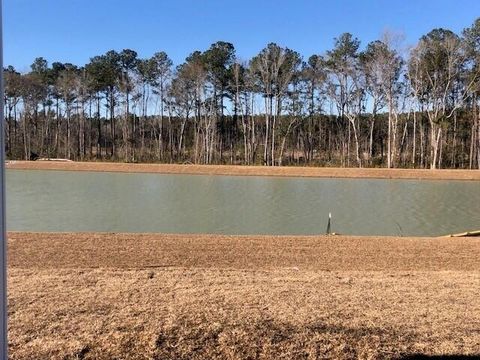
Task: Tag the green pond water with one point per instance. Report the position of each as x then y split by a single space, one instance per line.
120 202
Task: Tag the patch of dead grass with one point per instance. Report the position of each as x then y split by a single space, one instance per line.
241 298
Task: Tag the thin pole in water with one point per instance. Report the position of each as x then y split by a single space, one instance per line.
329 225
3 228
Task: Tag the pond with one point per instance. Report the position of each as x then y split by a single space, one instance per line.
134 202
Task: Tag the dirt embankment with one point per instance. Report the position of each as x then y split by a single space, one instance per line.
234 170
152 296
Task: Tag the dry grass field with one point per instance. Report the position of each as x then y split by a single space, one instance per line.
147 296
320 172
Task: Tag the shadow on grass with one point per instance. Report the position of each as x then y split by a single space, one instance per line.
203 338
448 357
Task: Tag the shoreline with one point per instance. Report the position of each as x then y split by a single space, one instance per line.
243 170
315 252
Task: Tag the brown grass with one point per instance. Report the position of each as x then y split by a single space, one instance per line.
146 296
250 170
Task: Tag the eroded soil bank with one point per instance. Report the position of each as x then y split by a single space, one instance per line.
234 170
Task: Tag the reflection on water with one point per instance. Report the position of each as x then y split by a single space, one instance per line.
116 202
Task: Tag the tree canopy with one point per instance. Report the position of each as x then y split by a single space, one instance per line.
354 105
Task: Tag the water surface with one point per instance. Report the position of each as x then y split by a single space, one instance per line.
133 202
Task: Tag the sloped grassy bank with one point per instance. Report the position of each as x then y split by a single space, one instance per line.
158 296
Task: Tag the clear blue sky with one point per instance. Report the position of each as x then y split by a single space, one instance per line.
75 30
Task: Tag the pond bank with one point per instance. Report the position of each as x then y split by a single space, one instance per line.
325 253
158 296
237 170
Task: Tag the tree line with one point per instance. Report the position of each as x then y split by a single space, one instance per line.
376 106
